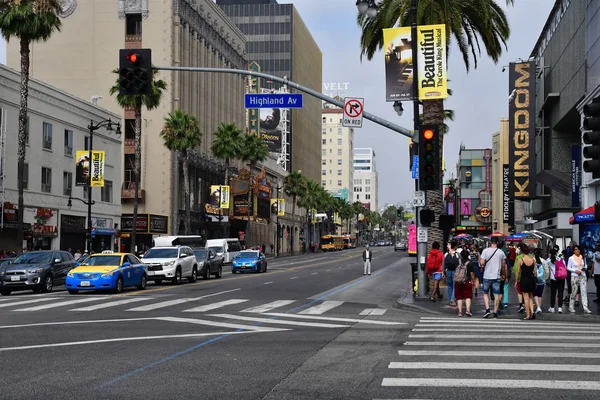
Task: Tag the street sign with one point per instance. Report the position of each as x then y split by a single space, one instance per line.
353 112
419 199
273 100
421 234
415 167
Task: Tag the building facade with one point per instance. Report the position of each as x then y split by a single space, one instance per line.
57 128
337 155
281 44
365 178
180 33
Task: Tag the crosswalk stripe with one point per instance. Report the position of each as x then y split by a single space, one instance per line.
221 324
279 321
268 307
322 308
18 303
498 337
514 322
494 330
491 383
509 326
373 311
353 320
494 366
169 303
567 346
55 305
111 304
482 354
214 306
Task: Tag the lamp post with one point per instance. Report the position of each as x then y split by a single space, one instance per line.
279 187
109 124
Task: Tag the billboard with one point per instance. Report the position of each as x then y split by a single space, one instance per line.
219 196
433 74
399 75
82 168
521 128
271 128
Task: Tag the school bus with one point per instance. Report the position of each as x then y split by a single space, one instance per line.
332 242
349 242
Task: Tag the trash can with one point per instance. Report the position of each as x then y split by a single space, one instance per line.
415 277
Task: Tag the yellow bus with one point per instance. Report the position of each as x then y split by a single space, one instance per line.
332 242
349 242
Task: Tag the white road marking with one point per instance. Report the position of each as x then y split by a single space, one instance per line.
222 324
321 308
18 303
513 322
76 322
295 277
169 303
565 346
269 306
363 321
54 305
373 311
491 383
499 337
493 330
111 304
214 306
493 366
327 270
314 273
278 321
267 283
483 354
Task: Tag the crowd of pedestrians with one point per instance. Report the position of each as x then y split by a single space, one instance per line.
469 271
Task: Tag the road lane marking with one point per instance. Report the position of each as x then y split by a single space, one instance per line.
566 345
96 321
295 277
279 321
267 283
18 303
491 383
222 324
214 306
498 337
112 304
449 366
268 307
519 326
54 305
314 273
494 330
373 311
513 322
170 303
321 308
483 354
354 320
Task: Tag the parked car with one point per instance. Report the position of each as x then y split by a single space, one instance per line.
249 260
209 263
107 271
39 271
6 261
401 245
172 263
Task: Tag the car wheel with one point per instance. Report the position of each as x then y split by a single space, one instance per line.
119 285
194 277
143 283
72 291
5 292
219 272
48 284
206 274
177 279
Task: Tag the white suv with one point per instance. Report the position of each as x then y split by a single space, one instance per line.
171 263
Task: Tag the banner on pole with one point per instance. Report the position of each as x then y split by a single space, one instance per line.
82 168
399 77
433 74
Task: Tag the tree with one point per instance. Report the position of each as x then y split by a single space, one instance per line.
294 185
469 23
29 21
310 200
136 102
254 149
181 133
358 208
227 145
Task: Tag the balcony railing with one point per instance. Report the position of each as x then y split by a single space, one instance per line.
128 191
129 146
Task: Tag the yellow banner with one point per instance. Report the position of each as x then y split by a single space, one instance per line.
433 74
219 196
98 157
224 203
82 168
278 207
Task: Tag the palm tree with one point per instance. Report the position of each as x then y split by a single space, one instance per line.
470 23
181 134
294 185
29 21
227 145
309 200
136 102
254 150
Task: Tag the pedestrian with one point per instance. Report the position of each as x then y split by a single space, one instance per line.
463 282
434 267
272 253
263 248
477 269
77 255
542 276
526 280
450 264
558 274
596 271
577 267
505 282
70 251
568 252
367 255
494 262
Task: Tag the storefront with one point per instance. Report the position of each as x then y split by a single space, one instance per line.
146 226
8 229
73 232
44 230
103 234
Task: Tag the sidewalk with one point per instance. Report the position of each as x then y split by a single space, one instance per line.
443 307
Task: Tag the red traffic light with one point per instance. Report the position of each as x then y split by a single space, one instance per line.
133 57
428 134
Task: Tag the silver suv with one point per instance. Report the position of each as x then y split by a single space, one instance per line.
400 245
171 263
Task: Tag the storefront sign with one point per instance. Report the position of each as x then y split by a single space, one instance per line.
508 214
575 174
102 223
254 113
71 222
159 224
44 230
9 212
44 213
141 223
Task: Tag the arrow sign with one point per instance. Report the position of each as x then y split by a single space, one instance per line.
353 112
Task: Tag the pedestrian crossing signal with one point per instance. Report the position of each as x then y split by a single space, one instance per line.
135 71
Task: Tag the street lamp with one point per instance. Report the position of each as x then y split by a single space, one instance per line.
110 125
398 108
367 7
362 5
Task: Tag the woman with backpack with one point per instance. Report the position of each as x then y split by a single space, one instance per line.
542 273
463 283
526 280
477 269
434 266
558 274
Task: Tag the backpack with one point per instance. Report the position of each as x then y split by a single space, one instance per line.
512 254
433 263
541 274
460 275
560 270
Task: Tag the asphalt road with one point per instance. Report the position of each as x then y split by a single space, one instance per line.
312 327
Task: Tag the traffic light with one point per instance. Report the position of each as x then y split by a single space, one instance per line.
591 123
399 214
429 158
427 217
135 71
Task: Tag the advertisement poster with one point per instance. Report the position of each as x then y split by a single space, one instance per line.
82 168
215 196
224 200
278 207
589 235
521 128
398 64
508 203
465 207
575 174
271 128
433 74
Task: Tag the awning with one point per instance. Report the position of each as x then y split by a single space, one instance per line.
586 215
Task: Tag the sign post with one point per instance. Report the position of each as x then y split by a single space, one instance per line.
353 112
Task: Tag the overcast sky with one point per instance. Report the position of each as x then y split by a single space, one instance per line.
479 100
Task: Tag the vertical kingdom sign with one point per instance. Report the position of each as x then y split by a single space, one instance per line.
521 120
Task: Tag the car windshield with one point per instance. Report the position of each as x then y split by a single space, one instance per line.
6 261
103 261
34 258
248 254
161 253
200 253
216 249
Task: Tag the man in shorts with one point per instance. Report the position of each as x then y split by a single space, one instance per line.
494 261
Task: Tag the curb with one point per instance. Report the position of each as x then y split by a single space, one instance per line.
413 307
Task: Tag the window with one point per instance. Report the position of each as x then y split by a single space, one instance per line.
324 183
358 197
68 142
324 141
324 131
47 136
367 188
339 172
330 130
67 183
324 172
323 162
86 143
339 142
339 161
367 196
46 180
330 140
367 181
339 183
25 176
324 152
133 24
339 152
106 193
324 121
339 131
